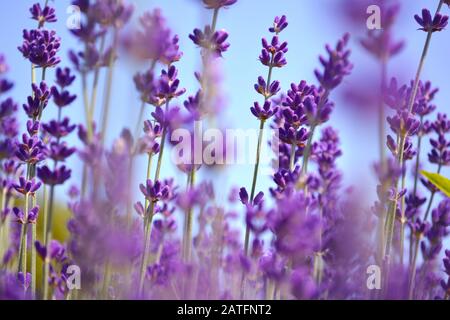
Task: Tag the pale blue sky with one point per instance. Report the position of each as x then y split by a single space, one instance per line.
312 24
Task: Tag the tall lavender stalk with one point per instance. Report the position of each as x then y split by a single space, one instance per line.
429 25
213 44
272 56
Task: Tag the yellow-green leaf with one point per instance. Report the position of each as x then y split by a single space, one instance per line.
438 181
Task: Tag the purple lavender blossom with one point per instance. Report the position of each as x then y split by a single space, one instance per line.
111 13
154 39
279 24
272 54
54 177
43 15
337 66
41 47
27 187
430 24
265 112
214 42
31 150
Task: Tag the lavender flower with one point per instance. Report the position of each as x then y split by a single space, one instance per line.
265 112
54 177
45 15
337 66
154 40
272 55
111 13
27 187
214 42
279 24
41 47
429 24
31 150
155 191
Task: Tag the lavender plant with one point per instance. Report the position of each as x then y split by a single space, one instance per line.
310 236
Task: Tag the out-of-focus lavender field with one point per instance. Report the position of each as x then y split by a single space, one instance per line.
92 180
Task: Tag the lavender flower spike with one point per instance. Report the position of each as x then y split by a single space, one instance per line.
42 15
429 24
41 47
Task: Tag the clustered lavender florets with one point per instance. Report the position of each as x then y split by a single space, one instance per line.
309 237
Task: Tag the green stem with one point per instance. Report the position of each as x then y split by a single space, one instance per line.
403 221
292 157
416 169
148 217
412 278
149 170
214 20
109 81
390 221
188 238
421 63
33 77
95 83
381 115
393 207
307 151
430 202
86 106
47 240
33 253
147 238
161 150
24 237
255 177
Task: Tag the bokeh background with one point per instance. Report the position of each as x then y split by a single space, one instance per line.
312 24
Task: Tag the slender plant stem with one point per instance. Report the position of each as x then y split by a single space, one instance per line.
421 62
188 243
412 277
214 20
390 220
44 72
149 171
292 157
258 155
23 266
391 214
403 220
430 202
86 106
161 151
382 151
147 238
47 240
416 169
93 102
33 253
33 77
255 177
307 151
109 81
381 114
